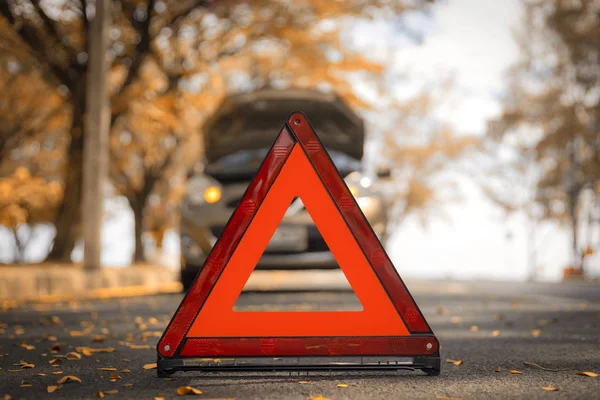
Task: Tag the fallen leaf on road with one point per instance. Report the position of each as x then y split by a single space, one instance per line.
51 338
474 328
40 374
438 397
496 333
455 362
25 384
88 351
127 384
73 356
319 397
304 382
111 391
126 371
455 320
56 362
498 369
14 370
57 372
536 332
549 388
26 365
107 369
139 346
169 379
530 364
587 373
150 366
342 385
159 398
27 346
114 377
515 372
188 390
100 395
54 349
53 388
98 339
69 378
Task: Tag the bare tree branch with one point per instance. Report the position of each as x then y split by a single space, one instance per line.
34 42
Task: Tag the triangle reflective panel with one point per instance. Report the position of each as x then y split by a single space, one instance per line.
388 333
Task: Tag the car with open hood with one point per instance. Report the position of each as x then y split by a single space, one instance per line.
236 140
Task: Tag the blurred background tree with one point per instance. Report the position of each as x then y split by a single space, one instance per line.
551 112
172 63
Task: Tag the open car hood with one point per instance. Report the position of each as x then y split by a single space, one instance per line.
252 121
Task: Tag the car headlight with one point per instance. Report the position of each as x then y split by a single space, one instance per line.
360 186
203 189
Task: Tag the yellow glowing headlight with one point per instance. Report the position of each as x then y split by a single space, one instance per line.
353 190
212 194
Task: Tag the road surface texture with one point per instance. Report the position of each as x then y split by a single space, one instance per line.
489 327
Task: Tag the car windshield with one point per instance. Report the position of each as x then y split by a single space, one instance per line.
251 159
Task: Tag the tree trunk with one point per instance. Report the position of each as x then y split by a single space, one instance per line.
573 199
137 206
67 217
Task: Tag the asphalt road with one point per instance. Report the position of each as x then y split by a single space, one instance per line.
487 326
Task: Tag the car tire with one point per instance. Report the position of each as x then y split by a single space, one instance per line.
187 278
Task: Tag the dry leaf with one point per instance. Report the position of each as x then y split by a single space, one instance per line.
455 362
111 391
587 373
498 369
126 371
159 398
98 339
438 397
114 377
14 370
53 388
69 378
150 366
496 333
40 374
515 372
107 369
52 338
25 384
549 388
26 365
342 385
319 397
536 332
140 346
304 382
169 379
56 362
188 390
27 346
474 328
57 372
54 349
88 351
455 320
73 356
100 395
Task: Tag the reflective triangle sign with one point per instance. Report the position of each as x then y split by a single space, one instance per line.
206 327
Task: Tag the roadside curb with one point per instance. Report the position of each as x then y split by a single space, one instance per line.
56 282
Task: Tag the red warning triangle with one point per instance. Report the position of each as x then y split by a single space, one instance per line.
205 324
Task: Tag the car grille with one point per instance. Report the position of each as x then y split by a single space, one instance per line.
315 240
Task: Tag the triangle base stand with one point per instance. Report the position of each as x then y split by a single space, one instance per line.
429 365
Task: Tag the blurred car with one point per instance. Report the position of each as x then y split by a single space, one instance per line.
237 139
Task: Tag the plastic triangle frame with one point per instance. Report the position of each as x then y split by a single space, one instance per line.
390 333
